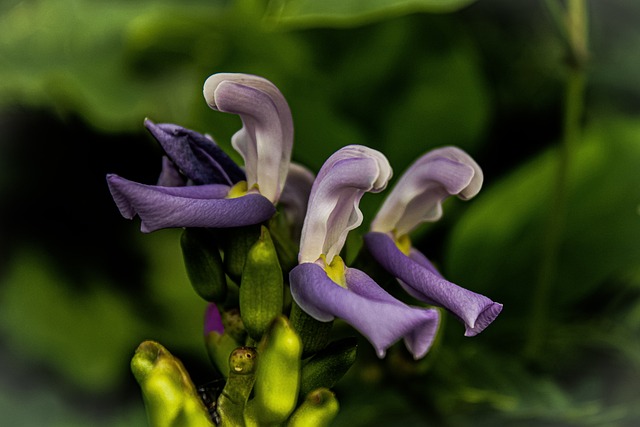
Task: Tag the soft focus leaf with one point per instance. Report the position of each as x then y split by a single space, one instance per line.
87 337
496 247
333 13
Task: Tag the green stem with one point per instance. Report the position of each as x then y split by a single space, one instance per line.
576 26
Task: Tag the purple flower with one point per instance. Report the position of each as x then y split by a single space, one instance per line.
417 197
212 320
200 186
323 286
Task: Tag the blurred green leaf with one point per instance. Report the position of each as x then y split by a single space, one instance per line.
495 248
48 406
88 336
446 103
340 13
478 386
114 63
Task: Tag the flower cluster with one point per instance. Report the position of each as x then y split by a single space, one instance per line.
201 189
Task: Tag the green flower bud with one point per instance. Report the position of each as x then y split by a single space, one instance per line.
314 334
318 410
234 396
237 242
328 365
170 398
262 287
278 375
204 264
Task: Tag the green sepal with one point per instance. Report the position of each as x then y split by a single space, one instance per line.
278 375
241 377
319 408
170 398
327 366
237 243
262 287
219 347
204 264
313 333
280 231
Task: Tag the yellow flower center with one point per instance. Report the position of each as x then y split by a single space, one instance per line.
403 243
238 190
335 270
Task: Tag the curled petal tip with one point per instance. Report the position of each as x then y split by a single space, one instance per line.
333 204
419 278
266 138
484 319
418 195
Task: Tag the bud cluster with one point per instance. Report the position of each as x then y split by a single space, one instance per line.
276 363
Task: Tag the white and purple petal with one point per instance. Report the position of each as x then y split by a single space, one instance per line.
333 204
198 157
422 281
191 206
380 317
418 195
266 138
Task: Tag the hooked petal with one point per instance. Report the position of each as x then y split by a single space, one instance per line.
366 306
191 206
333 204
422 281
198 157
266 138
420 191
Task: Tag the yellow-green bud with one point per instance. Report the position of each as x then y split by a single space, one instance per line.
278 374
170 398
234 396
262 287
204 264
318 410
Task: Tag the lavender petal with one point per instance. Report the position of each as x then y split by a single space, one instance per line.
192 206
421 280
381 318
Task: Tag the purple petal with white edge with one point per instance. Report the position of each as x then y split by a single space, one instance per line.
422 281
418 195
197 156
333 204
380 317
170 176
192 206
295 196
212 320
266 138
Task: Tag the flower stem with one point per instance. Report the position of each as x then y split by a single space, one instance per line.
576 32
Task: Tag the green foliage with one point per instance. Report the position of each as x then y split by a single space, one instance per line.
494 245
486 78
342 13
